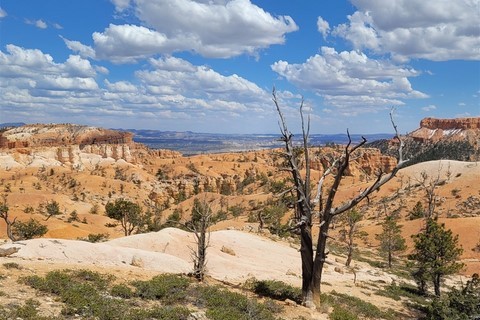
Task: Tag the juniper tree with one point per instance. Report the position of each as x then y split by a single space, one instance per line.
127 212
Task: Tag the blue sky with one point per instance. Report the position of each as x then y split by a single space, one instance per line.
210 65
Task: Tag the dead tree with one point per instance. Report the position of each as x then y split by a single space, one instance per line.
202 219
312 265
429 185
350 232
4 215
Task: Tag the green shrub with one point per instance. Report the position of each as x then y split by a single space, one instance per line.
396 292
277 290
225 305
59 280
164 313
359 307
12 265
96 237
82 293
166 287
27 311
121 291
459 303
340 313
28 230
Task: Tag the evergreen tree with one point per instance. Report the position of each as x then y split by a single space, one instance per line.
435 253
128 213
53 209
417 212
462 303
29 230
391 240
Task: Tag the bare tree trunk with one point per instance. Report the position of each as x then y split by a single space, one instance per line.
312 267
436 284
9 229
200 261
349 256
350 244
306 253
4 215
199 225
320 258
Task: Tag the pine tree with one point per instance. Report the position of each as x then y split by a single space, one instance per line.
435 253
391 240
417 212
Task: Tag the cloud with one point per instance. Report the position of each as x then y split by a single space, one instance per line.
128 43
3 13
165 91
31 69
121 5
441 30
429 108
41 24
37 23
177 75
214 29
120 86
83 50
351 81
323 27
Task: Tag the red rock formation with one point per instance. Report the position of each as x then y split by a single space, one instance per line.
451 124
454 129
367 161
56 135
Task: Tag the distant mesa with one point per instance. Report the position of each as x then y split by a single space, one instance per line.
456 129
438 139
11 125
52 135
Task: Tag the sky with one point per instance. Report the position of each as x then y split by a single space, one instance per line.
210 65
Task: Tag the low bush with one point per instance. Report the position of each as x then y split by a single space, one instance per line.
340 313
277 290
28 230
169 288
122 291
27 311
225 305
12 265
90 295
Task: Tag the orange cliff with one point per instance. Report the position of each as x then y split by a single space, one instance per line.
58 135
455 129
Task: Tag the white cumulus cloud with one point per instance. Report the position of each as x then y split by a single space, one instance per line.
127 43
434 30
168 89
323 27
351 81
214 29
